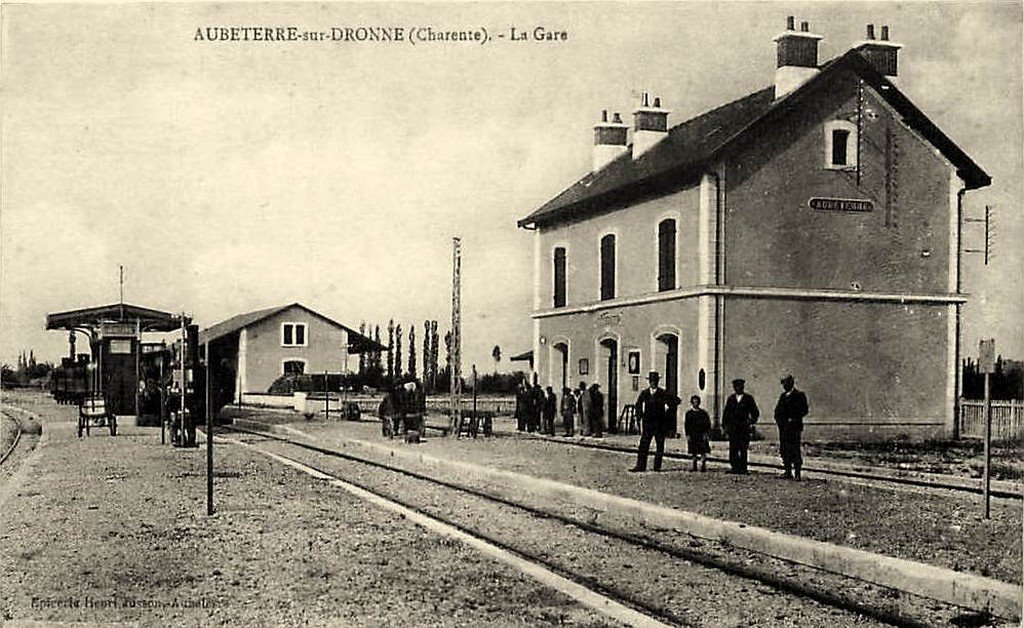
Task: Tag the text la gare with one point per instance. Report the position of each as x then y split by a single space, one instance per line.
540 33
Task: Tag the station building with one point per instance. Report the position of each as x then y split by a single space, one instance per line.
811 227
253 349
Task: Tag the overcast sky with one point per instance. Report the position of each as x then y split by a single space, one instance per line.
231 176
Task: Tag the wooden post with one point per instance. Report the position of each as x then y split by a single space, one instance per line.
476 423
987 364
327 399
184 384
209 434
163 403
988 446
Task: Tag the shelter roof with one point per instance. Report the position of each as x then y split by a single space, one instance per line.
90 317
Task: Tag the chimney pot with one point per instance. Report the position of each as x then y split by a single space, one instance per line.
657 103
790 23
885 33
616 118
604 115
871 31
645 101
805 27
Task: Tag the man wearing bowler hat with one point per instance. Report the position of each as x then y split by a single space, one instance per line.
789 416
738 419
653 410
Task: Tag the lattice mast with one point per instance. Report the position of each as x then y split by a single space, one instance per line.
455 399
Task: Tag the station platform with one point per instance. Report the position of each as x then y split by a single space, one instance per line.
933 527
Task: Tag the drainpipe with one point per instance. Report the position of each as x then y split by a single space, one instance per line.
958 383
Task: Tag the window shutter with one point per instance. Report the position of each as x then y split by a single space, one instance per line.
667 255
300 334
559 277
287 334
608 267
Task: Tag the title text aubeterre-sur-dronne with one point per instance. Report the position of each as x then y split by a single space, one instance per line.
411 35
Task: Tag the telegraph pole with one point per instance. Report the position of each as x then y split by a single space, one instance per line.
455 398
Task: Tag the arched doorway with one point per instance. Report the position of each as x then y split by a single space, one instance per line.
559 366
608 376
666 362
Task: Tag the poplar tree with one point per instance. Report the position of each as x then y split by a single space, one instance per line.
398 352
362 356
391 349
427 384
412 351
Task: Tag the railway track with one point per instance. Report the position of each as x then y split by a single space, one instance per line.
377 481
871 479
17 438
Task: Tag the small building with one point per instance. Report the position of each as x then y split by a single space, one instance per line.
253 350
117 351
812 227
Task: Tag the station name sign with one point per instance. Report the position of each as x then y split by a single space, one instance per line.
840 205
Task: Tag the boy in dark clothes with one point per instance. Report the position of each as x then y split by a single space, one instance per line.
697 426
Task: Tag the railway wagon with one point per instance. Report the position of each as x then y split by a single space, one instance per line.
70 382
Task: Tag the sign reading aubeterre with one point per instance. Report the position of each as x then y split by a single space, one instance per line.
840 205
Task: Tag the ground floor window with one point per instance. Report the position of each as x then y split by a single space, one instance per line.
294 367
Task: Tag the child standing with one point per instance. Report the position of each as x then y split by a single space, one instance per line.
697 426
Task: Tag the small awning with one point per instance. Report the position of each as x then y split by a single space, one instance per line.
523 357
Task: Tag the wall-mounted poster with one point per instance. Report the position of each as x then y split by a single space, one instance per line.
633 361
636 383
584 366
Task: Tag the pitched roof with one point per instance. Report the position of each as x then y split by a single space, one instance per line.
680 158
149 319
357 342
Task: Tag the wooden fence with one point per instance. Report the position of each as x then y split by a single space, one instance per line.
1007 419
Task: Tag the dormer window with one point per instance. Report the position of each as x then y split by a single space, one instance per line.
840 145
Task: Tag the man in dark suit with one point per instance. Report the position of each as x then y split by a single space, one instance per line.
653 411
738 419
789 416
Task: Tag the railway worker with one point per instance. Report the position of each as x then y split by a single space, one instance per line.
522 409
550 410
568 411
697 426
653 410
386 412
537 400
415 406
582 405
789 416
596 414
738 419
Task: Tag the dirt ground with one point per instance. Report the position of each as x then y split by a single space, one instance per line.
114 530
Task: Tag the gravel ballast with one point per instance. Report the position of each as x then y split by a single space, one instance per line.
946 530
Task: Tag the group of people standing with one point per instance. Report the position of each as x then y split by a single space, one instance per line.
655 407
582 410
402 410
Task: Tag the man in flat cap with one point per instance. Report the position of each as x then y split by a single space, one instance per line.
789 416
654 408
738 419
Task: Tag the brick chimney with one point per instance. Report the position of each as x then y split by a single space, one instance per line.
650 125
797 57
609 140
881 53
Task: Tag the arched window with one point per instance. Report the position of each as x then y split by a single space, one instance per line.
840 145
667 255
608 267
559 277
